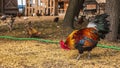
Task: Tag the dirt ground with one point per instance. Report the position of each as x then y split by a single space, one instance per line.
36 54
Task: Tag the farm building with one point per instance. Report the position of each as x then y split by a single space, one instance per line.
94 6
57 7
46 7
8 7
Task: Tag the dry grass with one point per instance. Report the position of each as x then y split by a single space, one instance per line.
35 54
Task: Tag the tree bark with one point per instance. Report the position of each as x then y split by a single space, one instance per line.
112 8
79 7
72 10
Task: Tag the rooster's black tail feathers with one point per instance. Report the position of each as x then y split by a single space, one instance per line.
102 24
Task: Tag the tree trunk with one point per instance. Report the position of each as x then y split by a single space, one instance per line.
79 7
73 10
112 8
119 22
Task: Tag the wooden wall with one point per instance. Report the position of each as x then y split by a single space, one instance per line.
8 7
52 7
48 7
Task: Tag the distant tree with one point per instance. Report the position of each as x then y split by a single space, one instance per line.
72 11
113 9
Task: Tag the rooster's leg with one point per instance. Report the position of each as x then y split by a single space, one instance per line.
89 54
78 57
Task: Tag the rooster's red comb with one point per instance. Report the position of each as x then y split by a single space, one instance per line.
63 45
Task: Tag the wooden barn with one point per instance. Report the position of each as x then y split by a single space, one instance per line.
46 7
101 4
62 6
8 7
58 7
39 7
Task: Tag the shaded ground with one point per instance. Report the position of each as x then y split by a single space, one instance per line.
49 29
35 54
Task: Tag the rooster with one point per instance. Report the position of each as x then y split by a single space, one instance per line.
87 38
32 32
56 19
10 23
3 17
79 20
